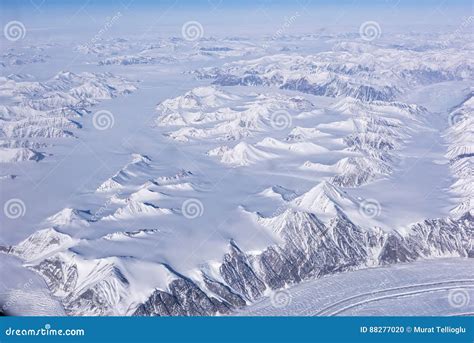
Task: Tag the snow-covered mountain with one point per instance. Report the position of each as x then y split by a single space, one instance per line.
24 55
366 134
125 285
460 137
167 51
51 109
239 168
359 71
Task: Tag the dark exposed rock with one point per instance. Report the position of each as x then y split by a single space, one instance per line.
224 292
58 274
310 249
184 299
239 275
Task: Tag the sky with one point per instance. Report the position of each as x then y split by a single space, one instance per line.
245 17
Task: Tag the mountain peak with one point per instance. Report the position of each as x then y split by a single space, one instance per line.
325 198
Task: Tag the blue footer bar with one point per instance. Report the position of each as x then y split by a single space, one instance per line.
237 329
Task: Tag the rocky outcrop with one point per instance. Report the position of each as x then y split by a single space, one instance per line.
310 249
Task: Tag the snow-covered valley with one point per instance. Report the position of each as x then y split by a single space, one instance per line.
157 175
